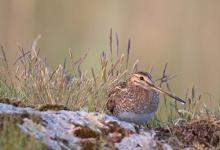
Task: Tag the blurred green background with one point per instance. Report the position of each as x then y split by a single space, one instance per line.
184 34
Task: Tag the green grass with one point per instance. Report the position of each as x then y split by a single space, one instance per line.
11 137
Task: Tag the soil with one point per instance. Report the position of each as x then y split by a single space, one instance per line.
198 134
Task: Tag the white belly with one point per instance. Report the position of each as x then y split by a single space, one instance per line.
134 117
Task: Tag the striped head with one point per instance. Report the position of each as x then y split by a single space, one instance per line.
141 79
144 80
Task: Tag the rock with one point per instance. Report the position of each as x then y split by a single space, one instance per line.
68 130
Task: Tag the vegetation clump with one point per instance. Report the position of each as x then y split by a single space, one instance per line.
11 137
17 118
54 107
85 132
14 102
202 133
89 137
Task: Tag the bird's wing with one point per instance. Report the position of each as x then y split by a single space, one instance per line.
115 95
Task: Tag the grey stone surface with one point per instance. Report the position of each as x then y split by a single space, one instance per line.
57 129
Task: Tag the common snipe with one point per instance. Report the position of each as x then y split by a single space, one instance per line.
136 100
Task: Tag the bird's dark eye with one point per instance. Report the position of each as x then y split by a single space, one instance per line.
141 78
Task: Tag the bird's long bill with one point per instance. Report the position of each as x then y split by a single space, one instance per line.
167 93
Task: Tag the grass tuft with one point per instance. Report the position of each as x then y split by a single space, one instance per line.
11 137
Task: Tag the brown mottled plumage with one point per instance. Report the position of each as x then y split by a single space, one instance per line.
135 100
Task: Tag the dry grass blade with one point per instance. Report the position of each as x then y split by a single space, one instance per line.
151 68
135 66
21 57
78 62
94 77
34 54
111 53
4 57
164 70
110 42
165 78
117 44
117 50
193 93
104 63
81 59
114 67
187 98
128 52
64 64
8 75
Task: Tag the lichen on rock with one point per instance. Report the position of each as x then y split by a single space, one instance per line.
65 129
